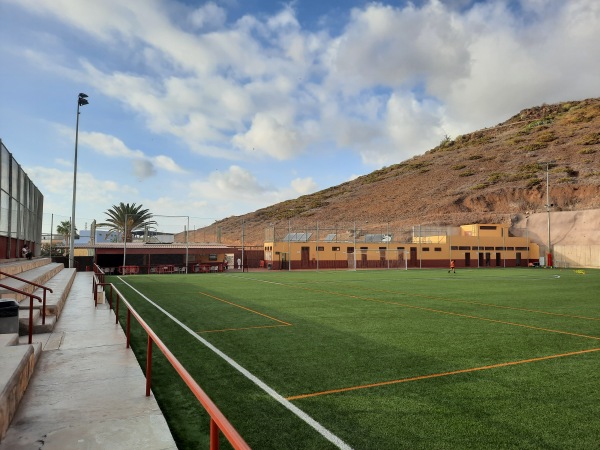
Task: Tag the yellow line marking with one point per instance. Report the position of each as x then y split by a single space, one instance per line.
244 307
437 375
439 311
243 328
433 297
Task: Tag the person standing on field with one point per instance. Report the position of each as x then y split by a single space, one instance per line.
452 267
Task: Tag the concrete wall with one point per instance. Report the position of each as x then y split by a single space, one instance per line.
577 256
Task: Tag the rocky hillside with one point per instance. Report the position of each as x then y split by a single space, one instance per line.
490 175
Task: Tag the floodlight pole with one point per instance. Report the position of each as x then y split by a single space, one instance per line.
289 245
81 101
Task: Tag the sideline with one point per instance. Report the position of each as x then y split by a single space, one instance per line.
283 401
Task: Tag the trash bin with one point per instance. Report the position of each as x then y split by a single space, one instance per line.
9 316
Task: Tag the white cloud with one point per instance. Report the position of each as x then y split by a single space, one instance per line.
304 186
236 182
263 88
270 136
57 186
108 145
388 46
167 163
209 16
143 166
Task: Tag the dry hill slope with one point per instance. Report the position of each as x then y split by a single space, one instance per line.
489 175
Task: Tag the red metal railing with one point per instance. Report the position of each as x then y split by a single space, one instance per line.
31 297
218 422
33 284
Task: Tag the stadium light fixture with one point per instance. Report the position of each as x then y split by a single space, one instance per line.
81 101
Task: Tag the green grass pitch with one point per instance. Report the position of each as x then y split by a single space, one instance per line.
391 359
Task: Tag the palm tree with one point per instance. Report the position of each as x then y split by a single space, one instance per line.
126 218
64 229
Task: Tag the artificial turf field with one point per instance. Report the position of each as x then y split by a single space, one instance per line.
391 359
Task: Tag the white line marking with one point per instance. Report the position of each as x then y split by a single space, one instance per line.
286 403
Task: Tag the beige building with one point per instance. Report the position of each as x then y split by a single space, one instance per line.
475 245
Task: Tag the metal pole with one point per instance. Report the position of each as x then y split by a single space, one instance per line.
243 244
420 248
317 245
354 245
548 209
187 245
51 226
289 247
72 236
387 250
125 241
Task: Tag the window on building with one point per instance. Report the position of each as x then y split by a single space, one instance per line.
335 249
437 249
425 249
320 249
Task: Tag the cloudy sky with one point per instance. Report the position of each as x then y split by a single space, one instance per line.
210 109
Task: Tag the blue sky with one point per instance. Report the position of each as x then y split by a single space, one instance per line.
219 108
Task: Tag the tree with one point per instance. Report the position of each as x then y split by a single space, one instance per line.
64 229
127 218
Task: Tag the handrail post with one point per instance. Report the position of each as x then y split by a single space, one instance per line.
117 311
128 328
95 293
43 308
214 435
149 366
218 422
30 319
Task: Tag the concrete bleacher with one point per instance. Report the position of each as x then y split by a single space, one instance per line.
18 361
41 271
60 391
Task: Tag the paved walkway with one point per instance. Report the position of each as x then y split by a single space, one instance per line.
88 390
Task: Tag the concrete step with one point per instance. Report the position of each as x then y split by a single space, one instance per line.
18 362
7 339
17 266
38 326
38 275
61 286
